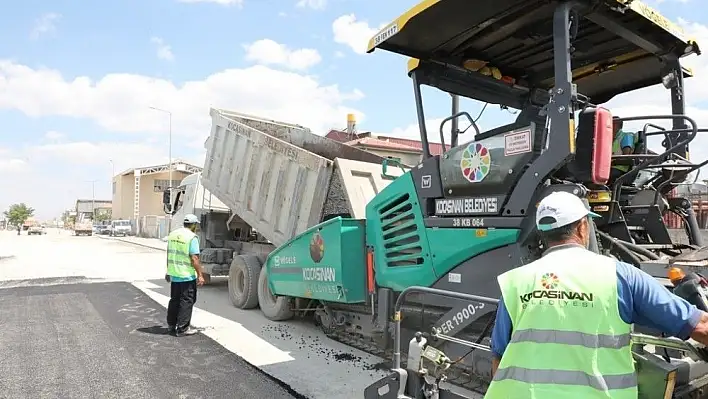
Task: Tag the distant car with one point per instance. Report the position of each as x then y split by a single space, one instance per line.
104 230
36 229
120 228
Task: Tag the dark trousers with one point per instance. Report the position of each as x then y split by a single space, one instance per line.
183 295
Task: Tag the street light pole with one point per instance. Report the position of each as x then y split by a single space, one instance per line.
169 144
93 200
113 174
113 177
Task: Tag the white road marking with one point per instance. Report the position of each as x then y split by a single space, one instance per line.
228 333
146 285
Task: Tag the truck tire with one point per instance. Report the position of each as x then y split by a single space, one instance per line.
275 308
243 281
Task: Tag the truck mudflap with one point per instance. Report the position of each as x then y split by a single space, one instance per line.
666 367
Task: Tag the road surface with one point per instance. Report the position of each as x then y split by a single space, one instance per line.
84 317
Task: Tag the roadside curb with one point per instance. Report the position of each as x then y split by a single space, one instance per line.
133 243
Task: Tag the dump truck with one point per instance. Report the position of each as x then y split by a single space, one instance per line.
263 183
83 226
28 223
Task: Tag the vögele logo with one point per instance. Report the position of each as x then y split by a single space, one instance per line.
317 247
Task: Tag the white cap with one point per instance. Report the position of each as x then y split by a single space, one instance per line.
560 209
191 219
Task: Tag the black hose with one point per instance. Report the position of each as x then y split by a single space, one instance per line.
620 248
632 246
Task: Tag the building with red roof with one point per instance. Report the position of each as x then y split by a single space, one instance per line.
408 151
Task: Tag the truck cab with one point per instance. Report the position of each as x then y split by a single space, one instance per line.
191 197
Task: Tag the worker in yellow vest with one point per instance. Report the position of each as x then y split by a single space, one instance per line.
623 144
563 323
184 272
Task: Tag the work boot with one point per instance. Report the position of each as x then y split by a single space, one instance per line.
172 330
188 331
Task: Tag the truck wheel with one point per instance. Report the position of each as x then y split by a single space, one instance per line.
276 308
243 281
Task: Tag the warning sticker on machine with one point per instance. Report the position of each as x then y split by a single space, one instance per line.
518 142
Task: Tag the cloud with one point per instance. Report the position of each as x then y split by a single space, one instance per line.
164 51
53 135
13 164
85 153
50 177
313 4
355 34
238 3
44 25
120 102
269 52
10 162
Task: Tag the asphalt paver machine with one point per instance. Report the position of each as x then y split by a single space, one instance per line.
555 62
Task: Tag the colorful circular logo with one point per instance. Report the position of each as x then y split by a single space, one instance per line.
317 247
475 162
549 281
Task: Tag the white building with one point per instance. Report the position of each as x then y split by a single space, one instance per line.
138 192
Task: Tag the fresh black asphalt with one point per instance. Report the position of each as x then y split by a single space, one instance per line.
107 340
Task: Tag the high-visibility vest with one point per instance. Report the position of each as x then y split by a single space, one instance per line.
568 339
617 149
179 264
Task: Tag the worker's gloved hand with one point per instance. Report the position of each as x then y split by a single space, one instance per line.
167 278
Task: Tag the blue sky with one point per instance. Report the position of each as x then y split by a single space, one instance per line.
76 81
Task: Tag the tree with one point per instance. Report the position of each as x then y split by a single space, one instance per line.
103 215
17 214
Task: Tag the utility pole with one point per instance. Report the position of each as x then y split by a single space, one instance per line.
113 181
93 200
169 145
113 172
